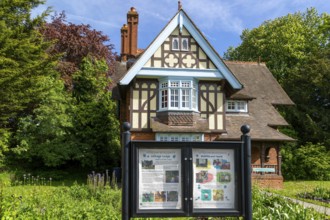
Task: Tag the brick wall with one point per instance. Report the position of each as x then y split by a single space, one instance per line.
268 181
143 136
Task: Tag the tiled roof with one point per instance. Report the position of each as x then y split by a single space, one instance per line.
121 69
262 115
258 82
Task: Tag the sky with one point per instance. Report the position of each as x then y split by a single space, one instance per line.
221 21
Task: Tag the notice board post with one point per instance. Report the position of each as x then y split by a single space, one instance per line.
126 143
246 139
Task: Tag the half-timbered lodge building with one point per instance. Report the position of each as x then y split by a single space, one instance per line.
179 89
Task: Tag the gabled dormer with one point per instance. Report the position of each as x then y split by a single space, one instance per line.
168 54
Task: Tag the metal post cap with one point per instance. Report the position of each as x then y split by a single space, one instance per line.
126 126
245 129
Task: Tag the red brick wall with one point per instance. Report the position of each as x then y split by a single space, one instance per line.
268 181
143 136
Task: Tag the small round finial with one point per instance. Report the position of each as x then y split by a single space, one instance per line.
126 126
179 5
245 129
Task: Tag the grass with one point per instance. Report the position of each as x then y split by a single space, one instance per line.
293 188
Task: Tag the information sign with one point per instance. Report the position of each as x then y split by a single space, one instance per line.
214 179
160 179
264 169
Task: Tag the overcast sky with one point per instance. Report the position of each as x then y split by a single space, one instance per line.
221 21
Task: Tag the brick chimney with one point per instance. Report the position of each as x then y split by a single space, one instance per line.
129 35
124 42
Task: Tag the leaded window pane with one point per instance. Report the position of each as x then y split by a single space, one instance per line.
184 44
164 99
185 98
174 84
185 84
231 105
175 98
175 44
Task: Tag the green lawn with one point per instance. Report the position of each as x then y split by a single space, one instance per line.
293 188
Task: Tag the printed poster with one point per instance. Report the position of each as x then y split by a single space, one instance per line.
213 178
160 179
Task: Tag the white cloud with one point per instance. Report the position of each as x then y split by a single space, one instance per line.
215 18
210 14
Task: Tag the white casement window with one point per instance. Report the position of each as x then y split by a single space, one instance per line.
178 95
175 43
236 106
180 43
179 137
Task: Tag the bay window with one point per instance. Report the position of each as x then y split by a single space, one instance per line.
178 94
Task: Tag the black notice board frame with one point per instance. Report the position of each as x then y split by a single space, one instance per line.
187 208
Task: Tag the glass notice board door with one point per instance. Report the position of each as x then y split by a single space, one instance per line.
160 179
213 179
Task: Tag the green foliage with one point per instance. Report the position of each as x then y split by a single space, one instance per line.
294 188
266 206
79 202
309 162
75 202
46 134
95 125
23 60
43 122
318 193
283 42
311 116
81 128
5 136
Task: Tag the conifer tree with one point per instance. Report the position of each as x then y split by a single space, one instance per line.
23 64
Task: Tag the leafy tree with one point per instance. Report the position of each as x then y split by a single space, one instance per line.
41 120
23 64
86 63
296 50
46 135
311 115
283 43
74 43
96 128
80 128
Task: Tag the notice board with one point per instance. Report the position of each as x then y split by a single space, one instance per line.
176 179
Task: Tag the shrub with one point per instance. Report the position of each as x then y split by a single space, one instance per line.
309 162
319 193
266 206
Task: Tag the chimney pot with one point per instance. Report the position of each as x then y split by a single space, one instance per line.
129 33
